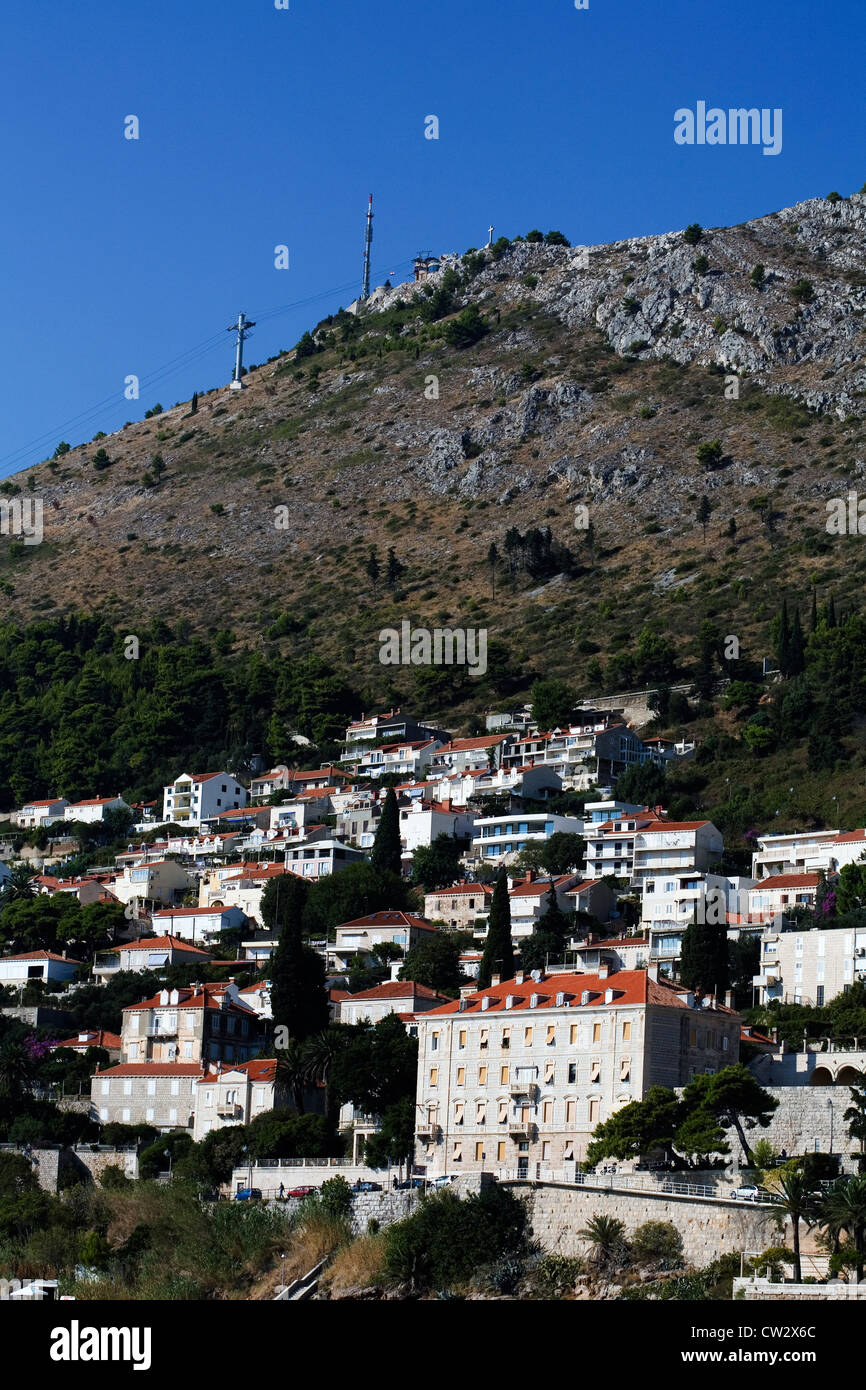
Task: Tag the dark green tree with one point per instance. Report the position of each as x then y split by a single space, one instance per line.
704 965
498 955
387 850
703 514
298 998
437 865
552 703
435 962
638 1128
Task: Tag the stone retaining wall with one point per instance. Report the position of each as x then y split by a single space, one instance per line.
708 1228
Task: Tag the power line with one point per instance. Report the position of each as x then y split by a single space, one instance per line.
181 361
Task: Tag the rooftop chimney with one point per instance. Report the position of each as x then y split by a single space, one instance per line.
729 999
495 979
518 978
653 972
603 971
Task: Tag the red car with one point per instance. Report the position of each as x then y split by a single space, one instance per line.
300 1191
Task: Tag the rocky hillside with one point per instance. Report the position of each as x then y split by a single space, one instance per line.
527 387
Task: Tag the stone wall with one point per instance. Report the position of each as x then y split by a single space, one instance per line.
708 1228
804 1122
95 1161
762 1291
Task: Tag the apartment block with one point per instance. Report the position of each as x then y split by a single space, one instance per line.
809 967
515 1078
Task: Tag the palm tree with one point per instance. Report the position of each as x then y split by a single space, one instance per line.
292 1071
17 885
798 1201
843 1208
320 1051
606 1236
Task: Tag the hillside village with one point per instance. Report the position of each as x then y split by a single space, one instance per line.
548 967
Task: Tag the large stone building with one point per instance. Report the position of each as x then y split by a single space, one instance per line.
516 1077
809 967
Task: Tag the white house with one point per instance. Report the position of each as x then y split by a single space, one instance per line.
322 857
36 813
405 759
197 923
422 821
36 965
194 797
148 953
666 850
529 900
497 837
358 937
402 997
95 809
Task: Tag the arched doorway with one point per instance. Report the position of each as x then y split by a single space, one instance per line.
821 1076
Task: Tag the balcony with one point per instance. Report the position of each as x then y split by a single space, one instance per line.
428 1132
523 1088
161 1033
521 1129
228 1111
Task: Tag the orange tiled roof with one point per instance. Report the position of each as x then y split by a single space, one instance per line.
629 987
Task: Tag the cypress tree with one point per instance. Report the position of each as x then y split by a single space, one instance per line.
704 965
298 998
386 850
796 647
831 612
784 639
549 935
814 610
498 955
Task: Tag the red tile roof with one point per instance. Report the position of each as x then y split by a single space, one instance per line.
460 888
153 1069
847 836
259 1069
581 887
390 919
43 955
538 887
192 911
162 943
205 997
629 987
786 881
466 745
94 1038
398 989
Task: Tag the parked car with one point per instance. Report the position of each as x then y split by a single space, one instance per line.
363 1186
303 1191
409 1183
444 1180
749 1193
248 1194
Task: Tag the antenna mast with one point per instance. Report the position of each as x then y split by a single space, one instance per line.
368 243
242 328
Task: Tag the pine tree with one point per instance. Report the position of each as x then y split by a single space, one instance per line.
299 1000
814 623
732 528
498 955
372 567
386 851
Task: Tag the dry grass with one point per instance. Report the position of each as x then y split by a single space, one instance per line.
357 1266
319 1236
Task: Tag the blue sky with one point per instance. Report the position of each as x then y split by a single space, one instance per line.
261 127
